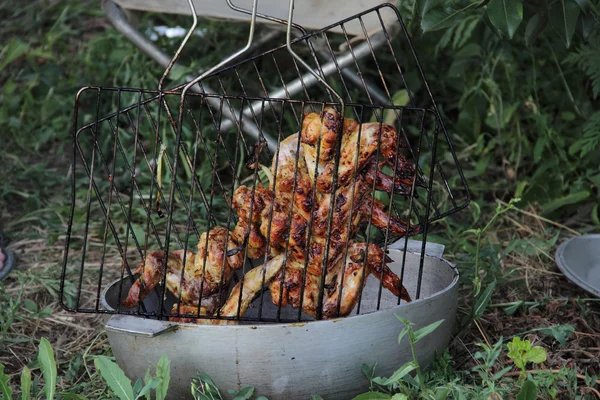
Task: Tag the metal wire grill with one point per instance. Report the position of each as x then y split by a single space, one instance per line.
152 174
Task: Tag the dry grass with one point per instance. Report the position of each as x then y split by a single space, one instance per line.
550 300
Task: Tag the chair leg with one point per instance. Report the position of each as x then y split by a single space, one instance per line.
118 19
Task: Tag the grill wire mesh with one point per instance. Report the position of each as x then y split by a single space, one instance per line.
149 178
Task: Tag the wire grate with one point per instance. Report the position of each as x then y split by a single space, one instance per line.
228 209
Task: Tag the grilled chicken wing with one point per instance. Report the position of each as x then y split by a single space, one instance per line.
349 282
246 289
208 272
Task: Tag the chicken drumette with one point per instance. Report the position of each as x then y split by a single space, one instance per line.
352 205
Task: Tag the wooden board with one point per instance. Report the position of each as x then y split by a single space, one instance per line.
312 14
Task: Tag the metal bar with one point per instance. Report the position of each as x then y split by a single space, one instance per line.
119 21
306 80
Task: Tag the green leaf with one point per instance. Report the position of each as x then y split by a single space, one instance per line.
368 370
48 367
402 333
137 387
400 99
539 148
535 26
500 121
559 332
315 397
421 333
115 378
25 383
563 18
528 391
400 373
560 202
483 300
595 215
426 5
506 15
584 5
501 373
15 49
245 394
591 132
373 396
586 25
379 380
30 305
163 375
441 393
147 379
517 350
536 355
441 18
406 322
152 384
4 386
512 309
399 396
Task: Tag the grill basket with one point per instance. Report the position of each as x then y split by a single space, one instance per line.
152 171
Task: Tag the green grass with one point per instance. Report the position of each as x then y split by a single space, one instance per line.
524 124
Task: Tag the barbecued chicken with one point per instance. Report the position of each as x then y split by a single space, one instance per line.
307 223
240 298
208 271
353 205
351 276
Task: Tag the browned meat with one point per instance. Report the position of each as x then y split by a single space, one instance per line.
208 272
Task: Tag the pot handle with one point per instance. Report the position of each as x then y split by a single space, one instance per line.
414 246
138 326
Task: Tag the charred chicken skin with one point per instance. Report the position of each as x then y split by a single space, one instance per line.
308 218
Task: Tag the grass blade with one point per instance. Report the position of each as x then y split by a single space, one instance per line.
48 367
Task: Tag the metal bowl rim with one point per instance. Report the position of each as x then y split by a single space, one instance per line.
451 286
563 264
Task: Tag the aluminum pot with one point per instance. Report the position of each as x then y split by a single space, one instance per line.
294 360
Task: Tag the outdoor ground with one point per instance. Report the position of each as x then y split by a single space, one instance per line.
543 149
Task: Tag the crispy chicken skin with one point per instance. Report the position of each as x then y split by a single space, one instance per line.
250 203
353 206
208 271
246 289
358 265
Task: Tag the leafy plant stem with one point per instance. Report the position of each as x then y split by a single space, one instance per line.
414 18
534 70
481 232
563 79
